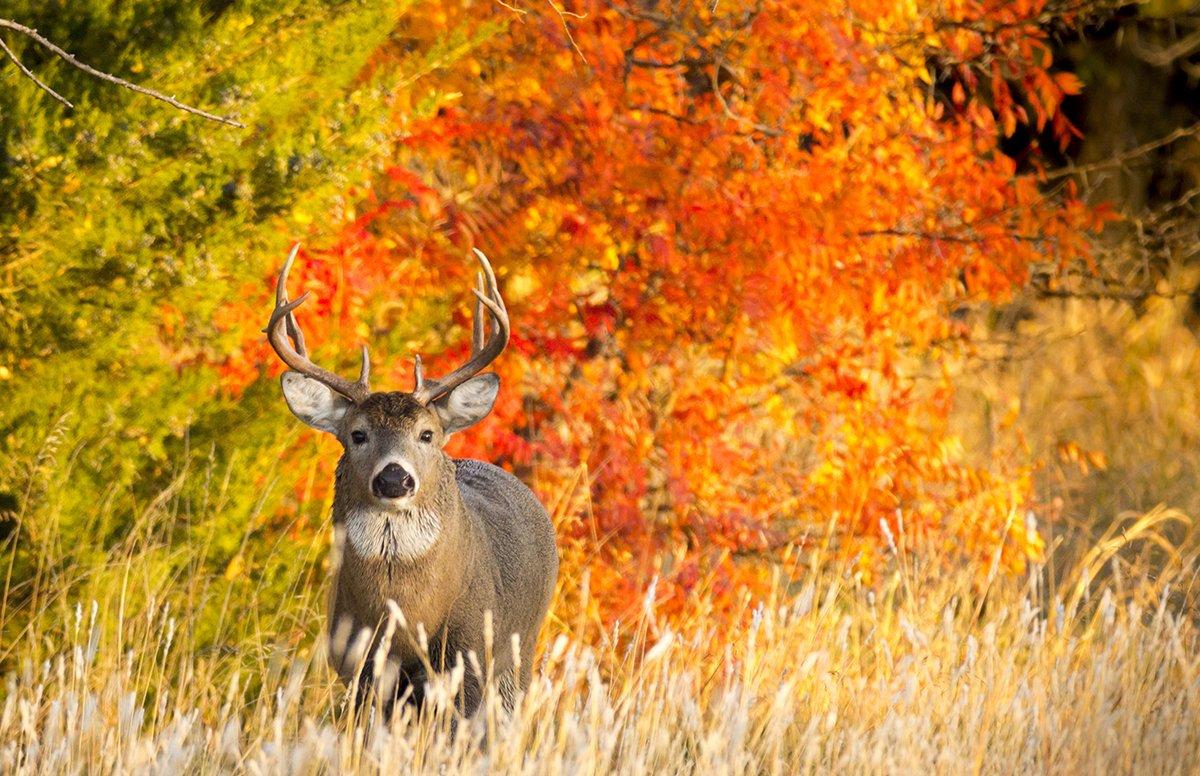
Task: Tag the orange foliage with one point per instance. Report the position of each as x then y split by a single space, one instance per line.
733 237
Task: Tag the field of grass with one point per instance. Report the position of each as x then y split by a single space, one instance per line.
923 676
1089 663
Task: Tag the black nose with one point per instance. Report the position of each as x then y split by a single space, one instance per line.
393 482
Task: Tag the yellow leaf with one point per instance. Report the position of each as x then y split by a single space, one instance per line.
235 567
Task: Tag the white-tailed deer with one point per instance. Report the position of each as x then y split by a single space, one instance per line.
446 541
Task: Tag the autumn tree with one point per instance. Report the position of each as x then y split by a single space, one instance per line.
737 239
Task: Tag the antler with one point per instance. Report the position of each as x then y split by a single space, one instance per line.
283 327
483 352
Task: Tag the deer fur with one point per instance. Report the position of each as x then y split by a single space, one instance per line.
433 556
473 540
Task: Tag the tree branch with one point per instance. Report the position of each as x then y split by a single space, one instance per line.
1127 156
29 74
33 35
950 238
1164 57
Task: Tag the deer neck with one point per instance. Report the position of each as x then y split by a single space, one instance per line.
418 566
422 533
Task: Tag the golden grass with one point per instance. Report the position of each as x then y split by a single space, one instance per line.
1118 383
908 679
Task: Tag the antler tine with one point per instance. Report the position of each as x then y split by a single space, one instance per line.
283 326
364 371
483 351
293 328
281 281
477 321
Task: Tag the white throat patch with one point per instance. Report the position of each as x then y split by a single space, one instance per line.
404 534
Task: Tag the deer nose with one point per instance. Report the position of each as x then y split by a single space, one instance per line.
393 482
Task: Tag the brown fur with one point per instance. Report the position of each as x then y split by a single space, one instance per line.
494 552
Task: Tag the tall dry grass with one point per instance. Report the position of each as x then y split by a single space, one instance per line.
922 675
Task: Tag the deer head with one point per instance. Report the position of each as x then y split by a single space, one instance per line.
392 441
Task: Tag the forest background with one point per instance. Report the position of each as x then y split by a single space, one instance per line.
864 291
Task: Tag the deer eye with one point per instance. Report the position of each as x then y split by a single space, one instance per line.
426 436
358 437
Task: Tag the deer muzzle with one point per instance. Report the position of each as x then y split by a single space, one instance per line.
393 481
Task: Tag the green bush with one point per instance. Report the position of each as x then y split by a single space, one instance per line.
122 464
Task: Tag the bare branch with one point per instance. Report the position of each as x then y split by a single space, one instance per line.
29 74
1125 157
1164 57
950 238
562 17
1117 295
729 112
33 35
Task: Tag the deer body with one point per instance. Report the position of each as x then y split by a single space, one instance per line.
474 566
426 544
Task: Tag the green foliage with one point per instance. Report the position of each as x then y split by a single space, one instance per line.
117 213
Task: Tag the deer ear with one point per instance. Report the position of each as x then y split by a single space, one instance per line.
467 404
313 402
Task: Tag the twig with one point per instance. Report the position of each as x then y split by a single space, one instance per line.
562 17
1127 156
1139 295
29 74
950 238
667 114
32 34
718 63
520 12
1165 57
